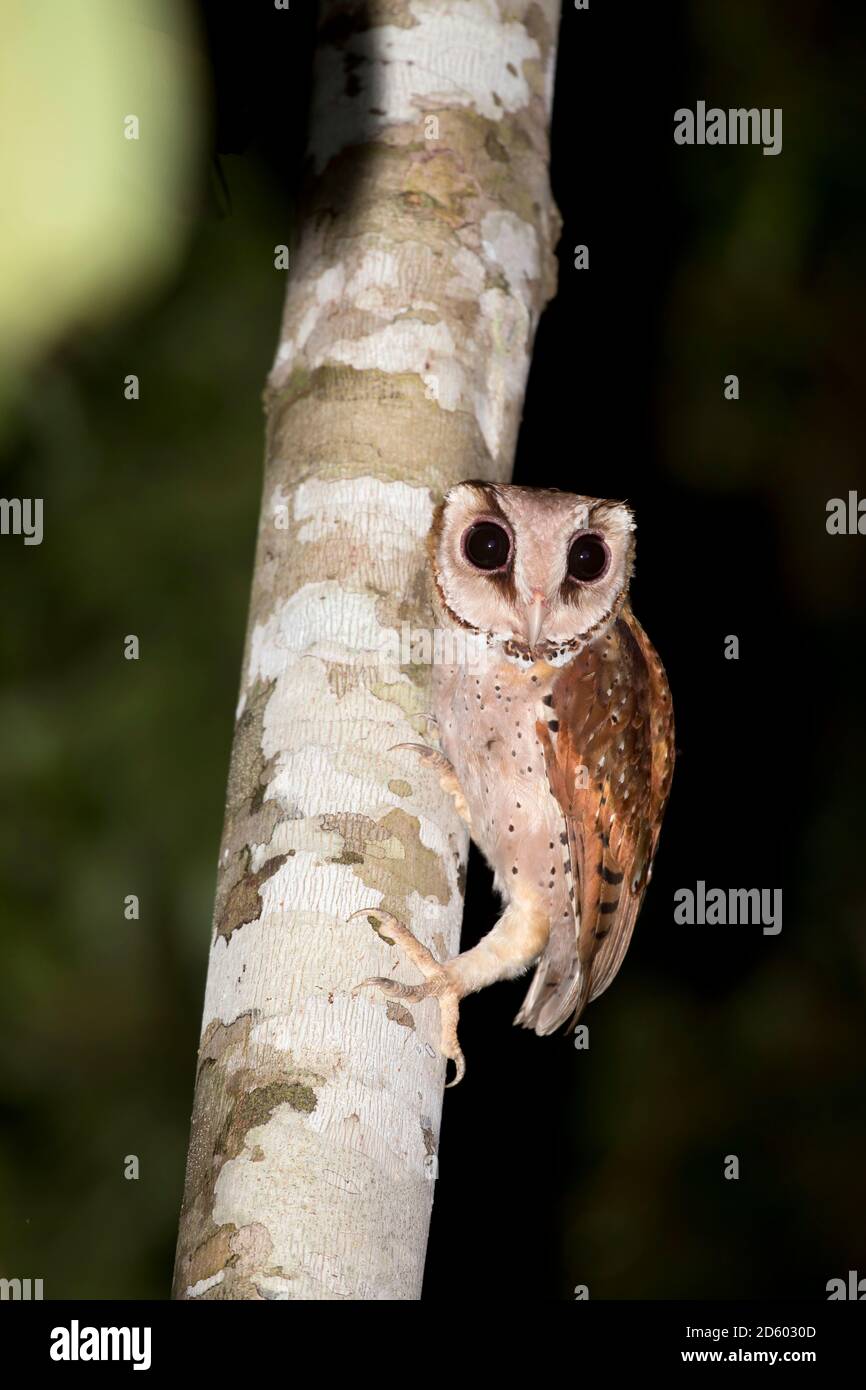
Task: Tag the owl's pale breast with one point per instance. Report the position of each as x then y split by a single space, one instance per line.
486 718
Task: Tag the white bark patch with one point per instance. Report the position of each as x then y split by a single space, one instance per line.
512 244
196 1290
354 795
318 617
506 364
330 510
468 281
320 293
475 362
378 268
338 1152
273 1287
375 281
317 895
319 1176
406 346
460 53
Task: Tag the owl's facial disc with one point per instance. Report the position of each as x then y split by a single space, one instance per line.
539 569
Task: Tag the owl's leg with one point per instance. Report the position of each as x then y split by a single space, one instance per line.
515 942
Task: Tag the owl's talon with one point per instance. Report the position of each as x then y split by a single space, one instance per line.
439 984
395 989
431 757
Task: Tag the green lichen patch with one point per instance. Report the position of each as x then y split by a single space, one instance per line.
407 867
254 1108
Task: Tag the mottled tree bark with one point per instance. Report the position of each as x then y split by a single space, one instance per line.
425 260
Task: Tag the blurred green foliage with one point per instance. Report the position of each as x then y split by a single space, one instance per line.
114 771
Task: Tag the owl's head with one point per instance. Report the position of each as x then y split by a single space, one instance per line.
540 569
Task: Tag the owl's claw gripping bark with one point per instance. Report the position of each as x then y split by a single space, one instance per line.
439 984
431 757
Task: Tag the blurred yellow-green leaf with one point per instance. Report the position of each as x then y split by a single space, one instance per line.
91 214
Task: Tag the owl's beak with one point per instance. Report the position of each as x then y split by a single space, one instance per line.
535 619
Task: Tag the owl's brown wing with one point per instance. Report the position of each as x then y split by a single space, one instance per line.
609 751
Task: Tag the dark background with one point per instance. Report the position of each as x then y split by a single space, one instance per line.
557 1167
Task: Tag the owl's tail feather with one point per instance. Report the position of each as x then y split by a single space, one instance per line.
556 996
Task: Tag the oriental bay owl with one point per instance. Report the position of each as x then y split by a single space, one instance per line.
555 739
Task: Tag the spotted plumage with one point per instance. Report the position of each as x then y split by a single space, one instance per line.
557 744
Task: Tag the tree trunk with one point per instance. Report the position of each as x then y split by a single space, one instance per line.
425 260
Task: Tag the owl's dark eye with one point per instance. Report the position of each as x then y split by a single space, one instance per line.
588 558
487 546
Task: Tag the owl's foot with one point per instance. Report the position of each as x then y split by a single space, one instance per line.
431 757
439 984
